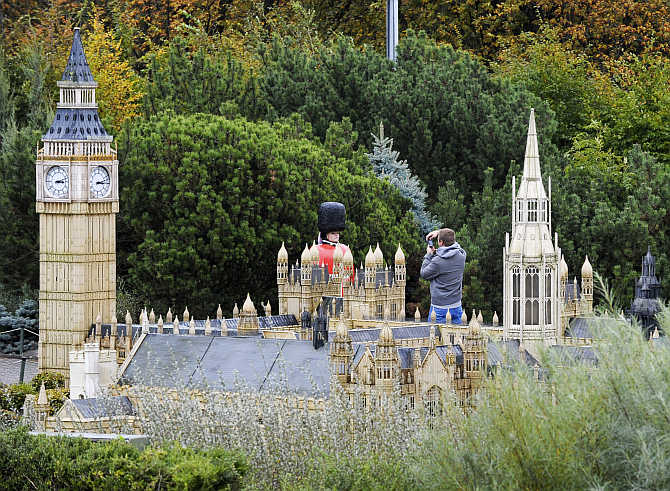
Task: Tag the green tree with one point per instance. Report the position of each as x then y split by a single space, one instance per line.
561 76
386 165
333 83
453 118
611 208
207 202
19 262
638 109
187 82
443 107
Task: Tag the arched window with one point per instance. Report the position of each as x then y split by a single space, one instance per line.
548 276
433 401
532 296
516 295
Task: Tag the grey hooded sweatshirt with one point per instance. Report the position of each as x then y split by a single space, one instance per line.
444 270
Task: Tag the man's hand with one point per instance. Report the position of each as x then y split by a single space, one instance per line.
432 235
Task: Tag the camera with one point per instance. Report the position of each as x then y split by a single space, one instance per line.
430 243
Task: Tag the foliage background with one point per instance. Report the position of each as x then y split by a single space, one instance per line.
305 85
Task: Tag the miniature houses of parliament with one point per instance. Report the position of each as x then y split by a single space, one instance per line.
373 346
371 292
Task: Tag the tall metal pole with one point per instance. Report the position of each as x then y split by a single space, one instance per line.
391 28
23 358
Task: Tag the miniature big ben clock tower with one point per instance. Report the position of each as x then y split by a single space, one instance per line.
77 202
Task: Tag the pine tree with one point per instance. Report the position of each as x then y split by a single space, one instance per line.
386 165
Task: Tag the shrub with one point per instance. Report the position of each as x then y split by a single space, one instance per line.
51 381
41 462
13 396
585 428
56 398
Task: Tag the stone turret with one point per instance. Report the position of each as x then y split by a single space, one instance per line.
379 257
248 323
386 359
282 265
475 353
370 269
400 267
587 287
341 353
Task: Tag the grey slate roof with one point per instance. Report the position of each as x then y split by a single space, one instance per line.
579 328
229 363
454 349
569 355
495 357
359 351
77 69
405 357
76 124
95 408
371 335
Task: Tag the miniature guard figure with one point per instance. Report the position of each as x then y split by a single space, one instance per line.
332 217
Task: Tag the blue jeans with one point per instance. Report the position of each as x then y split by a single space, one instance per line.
441 314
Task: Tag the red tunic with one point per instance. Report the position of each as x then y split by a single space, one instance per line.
326 252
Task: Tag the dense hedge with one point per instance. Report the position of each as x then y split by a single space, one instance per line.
40 462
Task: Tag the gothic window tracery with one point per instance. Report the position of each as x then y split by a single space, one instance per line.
516 295
433 401
532 284
548 275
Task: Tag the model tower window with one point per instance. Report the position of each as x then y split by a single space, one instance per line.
516 295
532 296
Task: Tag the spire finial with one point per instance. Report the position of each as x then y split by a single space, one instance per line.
531 163
42 399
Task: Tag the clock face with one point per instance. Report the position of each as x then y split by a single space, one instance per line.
100 182
57 182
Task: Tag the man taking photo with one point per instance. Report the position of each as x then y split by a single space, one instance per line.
444 267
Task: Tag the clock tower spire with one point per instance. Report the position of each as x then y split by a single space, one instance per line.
77 202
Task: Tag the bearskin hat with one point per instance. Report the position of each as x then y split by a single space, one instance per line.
332 217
